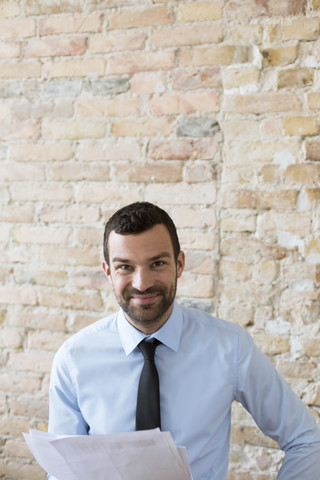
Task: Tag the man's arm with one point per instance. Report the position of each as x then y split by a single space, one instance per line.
278 412
65 417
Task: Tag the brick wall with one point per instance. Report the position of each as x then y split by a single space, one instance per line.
208 108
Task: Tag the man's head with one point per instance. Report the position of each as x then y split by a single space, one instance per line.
137 218
143 263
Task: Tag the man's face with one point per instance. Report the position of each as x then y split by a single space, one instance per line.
144 273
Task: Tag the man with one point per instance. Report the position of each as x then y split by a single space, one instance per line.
204 363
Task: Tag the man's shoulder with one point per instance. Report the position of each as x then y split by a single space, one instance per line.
106 326
208 321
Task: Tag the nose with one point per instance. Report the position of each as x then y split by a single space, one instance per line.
142 279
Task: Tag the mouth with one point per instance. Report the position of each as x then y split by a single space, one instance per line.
145 299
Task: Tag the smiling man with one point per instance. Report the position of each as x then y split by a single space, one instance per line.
199 364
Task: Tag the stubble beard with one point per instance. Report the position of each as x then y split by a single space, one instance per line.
148 314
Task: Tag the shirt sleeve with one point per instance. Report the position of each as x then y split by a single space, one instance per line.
65 417
278 412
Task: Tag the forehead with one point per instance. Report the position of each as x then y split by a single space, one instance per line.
143 245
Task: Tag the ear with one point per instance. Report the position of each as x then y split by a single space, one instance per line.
180 264
106 270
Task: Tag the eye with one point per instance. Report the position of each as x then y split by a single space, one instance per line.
158 263
124 268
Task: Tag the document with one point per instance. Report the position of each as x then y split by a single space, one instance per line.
137 455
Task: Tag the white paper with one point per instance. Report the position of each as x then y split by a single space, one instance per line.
122 456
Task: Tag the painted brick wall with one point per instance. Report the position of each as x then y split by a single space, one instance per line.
208 108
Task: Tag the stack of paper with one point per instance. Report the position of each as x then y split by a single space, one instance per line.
122 456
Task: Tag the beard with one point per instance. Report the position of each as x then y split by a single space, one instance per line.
149 314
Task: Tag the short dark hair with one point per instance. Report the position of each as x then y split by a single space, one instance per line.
137 218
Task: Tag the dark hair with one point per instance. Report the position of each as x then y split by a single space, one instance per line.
137 218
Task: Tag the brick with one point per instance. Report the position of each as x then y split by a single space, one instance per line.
11 338
216 55
117 42
195 78
17 27
18 254
35 152
104 107
316 4
181 194
142 127
17 213
313 150
89 235
70 256
284 55
187 217
39 320
10 8
13 426
78 171
148 172
244 34
108 193
73 130
200 11
301 29
303 370
237 223
128 150
283 200
311 347
36 276
140 62
9 49
20 69
284 7
18 295
235 77
296 223
20 471
312 249
190 285
200 263
197 240
21 172
134 18
106 86
26 406
298 125
71 24
55 47
248 292
4 233
34 192
148 82
197 127
17 448
74 301
295 77
20 131
20 383
237 128
300 271
185 103
70 213
238 248
45 341
198 172
30 361
33 7
182 149
92 281
75 67
238 270
41 235
258 103
187 35
314 100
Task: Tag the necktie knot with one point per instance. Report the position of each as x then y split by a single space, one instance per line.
148 349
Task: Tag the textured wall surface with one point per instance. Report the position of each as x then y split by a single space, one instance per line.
208 108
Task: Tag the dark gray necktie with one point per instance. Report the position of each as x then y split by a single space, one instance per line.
148 401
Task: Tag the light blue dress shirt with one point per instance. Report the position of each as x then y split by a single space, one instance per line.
204 364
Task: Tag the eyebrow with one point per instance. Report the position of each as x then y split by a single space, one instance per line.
152 259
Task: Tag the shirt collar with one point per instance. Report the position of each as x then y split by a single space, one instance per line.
169 334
